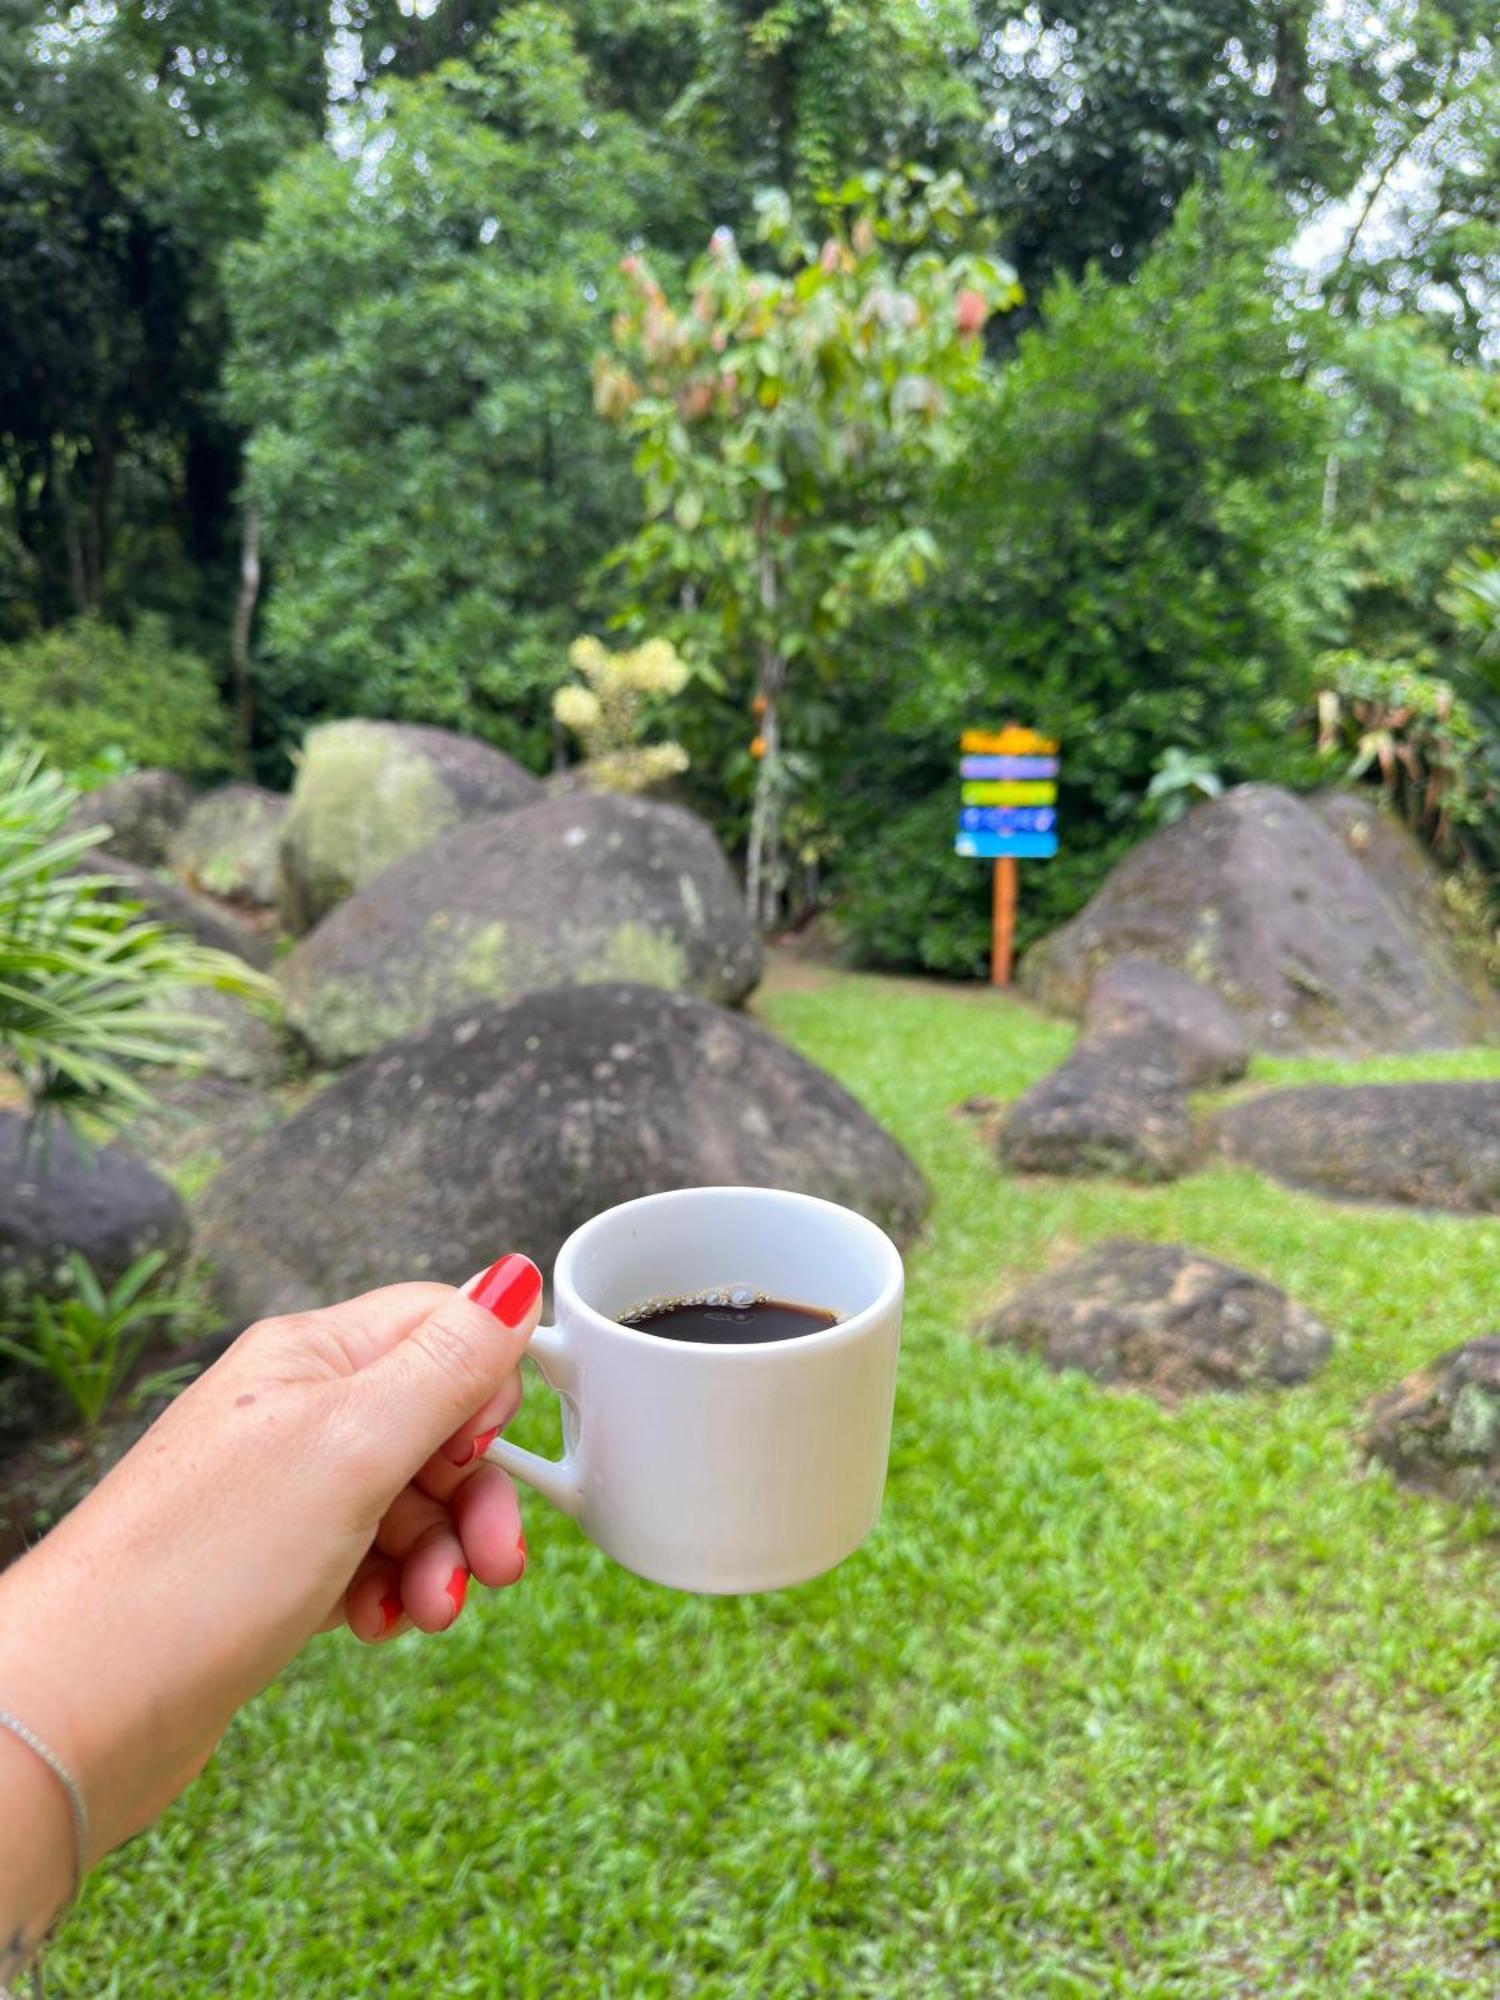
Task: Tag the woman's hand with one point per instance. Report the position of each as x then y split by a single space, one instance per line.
328 1468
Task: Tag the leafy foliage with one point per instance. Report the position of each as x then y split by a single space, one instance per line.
85 981
413 332
1411 480
784 420
89 1342
1136 564
1105 113
608 709
86 691
1430 752
1181 778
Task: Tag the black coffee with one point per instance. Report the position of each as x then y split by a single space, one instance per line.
727 1317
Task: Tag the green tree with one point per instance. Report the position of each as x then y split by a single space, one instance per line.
796 93
783 422
1139 509
413 333
131 146
1136 563
1105 113
1411 479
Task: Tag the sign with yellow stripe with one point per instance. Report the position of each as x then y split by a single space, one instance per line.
1008 792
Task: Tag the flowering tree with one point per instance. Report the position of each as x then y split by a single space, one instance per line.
607 711
783 419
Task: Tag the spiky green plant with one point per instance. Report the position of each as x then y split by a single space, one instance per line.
88 1344
86 980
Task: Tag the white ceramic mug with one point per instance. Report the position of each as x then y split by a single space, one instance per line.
721 1468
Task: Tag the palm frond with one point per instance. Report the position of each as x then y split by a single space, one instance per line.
87 980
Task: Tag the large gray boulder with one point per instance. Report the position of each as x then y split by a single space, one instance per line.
1434 1145
570 892
1439 1429
1135 995
195 1123
504 1127
235 1041
168 902
1118 1105
229 842
1163 1319
142 810
1319 923
369 792
56 1196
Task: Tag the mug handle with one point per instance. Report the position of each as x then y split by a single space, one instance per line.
556 1479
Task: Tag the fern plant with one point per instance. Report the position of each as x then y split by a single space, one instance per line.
88 1343
85 979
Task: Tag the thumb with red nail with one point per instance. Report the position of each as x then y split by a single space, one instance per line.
328 1469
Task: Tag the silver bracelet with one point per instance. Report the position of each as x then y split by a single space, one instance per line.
70 1785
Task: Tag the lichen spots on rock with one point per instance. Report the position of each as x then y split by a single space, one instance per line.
481 962
569 892
636 952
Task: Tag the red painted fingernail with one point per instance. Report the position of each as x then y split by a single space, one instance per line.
390 1612
508 1289
457 1588
465 1451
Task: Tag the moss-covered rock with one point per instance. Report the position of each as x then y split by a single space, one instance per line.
1433 1145
168 902
228 843
368 793
1439 1429
1319 922
1163 1319
571 892
142 810
1118 1105
512 1124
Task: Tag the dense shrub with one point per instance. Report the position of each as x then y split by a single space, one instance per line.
1134 563
86 688
909 900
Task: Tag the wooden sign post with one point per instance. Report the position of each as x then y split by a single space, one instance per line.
1003 935
1008 811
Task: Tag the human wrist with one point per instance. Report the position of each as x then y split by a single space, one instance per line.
58 1680
38 1864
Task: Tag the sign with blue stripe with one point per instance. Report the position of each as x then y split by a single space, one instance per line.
1007 795
995 846
1007 819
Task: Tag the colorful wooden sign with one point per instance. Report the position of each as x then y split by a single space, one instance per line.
1007 767
1008 742
1007 819
1008 792
1007 813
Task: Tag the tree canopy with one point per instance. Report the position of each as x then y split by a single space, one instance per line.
305 311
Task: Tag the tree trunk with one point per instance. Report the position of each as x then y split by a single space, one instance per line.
72 542
106 459
1289 86
1330 488
760 857
239 633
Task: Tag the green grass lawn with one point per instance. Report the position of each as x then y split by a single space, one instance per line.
1114 1702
